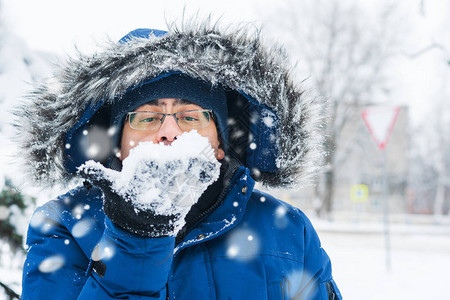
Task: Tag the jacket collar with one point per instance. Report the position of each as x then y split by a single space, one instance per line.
226 216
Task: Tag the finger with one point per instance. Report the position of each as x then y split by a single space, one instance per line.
94 172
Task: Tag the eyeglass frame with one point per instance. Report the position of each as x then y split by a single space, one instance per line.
174 115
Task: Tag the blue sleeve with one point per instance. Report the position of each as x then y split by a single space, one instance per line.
133 267
55 264
317 282
56 267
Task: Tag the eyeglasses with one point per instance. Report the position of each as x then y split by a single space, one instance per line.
186 120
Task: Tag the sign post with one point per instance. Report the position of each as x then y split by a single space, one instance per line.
380 121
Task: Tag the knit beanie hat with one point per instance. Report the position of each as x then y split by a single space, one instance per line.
177 86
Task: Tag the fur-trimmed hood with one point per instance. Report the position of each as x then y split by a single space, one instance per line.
273 125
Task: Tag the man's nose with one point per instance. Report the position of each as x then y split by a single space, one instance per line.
169 130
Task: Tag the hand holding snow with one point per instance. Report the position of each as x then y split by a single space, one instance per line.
166 180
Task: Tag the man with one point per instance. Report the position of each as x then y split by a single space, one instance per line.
150 90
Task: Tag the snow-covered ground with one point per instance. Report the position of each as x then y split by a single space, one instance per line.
419 256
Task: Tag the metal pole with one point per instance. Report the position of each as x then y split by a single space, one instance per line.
386 212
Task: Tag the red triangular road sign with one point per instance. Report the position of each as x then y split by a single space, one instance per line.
380 120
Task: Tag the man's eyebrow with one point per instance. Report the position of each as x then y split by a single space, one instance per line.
176 102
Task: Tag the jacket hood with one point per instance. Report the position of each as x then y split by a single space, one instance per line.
273 125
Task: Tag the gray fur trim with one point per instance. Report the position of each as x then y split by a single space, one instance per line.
234 57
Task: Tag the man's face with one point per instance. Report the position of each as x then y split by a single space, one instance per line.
169 129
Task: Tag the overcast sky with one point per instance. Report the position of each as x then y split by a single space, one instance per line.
58 25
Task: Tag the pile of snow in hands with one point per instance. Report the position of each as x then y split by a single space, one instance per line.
167 180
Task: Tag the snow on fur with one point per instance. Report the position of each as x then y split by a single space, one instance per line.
235 58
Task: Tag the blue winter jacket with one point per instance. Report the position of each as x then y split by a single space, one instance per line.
252 247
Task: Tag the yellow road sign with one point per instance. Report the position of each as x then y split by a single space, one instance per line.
359 193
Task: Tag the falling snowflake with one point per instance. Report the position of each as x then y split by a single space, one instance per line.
281 219
51 264
103 251
242 244
81 228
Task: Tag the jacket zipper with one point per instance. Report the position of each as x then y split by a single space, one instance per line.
220 199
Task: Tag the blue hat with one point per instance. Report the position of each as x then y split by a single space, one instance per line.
177 86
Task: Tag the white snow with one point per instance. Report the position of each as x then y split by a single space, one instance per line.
228 223
51 264
167 179
82 227
37 219
4 212
419 255
281 220
268 121
104 250
242 244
